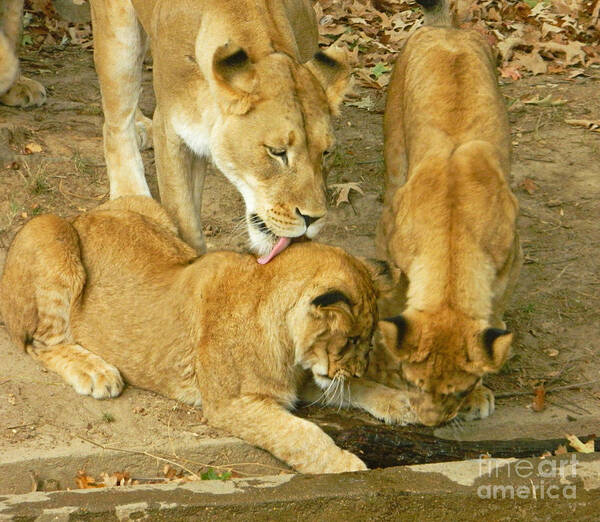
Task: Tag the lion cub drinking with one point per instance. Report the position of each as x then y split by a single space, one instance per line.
448 227
114 292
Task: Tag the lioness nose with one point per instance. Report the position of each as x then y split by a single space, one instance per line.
309 220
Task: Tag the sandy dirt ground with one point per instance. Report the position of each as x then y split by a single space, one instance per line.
52 161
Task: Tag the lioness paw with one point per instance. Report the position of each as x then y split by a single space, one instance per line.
24 93
479 405
100 380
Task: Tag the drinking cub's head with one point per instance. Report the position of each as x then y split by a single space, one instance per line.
441 358
333 321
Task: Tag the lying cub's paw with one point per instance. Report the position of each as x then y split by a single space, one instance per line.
95 377
24 93
344 462
479 405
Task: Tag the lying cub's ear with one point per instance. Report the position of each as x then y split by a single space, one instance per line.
492 350
234 79
392 332
330 298
337 306
331 69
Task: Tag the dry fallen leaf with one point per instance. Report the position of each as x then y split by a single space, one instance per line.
32 148
547 101
116 479
509 71
593 125
539 401
561 450
528 186
342 191
580 447
85 481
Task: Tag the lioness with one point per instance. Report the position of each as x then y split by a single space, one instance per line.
229 87
15 89
115 288
448 227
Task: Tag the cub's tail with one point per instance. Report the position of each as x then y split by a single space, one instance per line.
437 12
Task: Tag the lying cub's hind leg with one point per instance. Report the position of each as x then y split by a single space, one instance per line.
85 371
43 279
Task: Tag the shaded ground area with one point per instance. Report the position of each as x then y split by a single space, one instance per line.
51 160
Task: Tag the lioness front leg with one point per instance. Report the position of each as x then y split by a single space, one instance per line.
119 50
298 442
181 176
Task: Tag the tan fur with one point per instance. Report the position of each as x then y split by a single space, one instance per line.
448 226
15 90
115 292
229 88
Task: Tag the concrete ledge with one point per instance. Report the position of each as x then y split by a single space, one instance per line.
61 469
457 490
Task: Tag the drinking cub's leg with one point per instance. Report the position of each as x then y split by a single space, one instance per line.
262 421
387 404
43 279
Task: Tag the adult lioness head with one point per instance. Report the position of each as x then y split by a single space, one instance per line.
272 135
441 358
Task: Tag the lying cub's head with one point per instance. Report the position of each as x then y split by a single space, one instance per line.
272 135
333 321
442 358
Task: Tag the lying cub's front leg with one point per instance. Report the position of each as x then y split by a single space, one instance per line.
298 442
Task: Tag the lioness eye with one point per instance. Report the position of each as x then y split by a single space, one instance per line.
280 154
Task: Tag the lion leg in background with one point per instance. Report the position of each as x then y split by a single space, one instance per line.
143 130
302 444
15 90
181 176
52 277
119 48
384 403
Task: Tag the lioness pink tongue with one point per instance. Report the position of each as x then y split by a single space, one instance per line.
279 247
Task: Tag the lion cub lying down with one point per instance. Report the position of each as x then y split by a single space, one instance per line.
114 292
448 227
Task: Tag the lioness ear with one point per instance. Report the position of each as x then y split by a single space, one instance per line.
331 69
392 333
493 350
234 79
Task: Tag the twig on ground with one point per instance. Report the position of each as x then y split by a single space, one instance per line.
227 467
504 395
141 452
80 196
